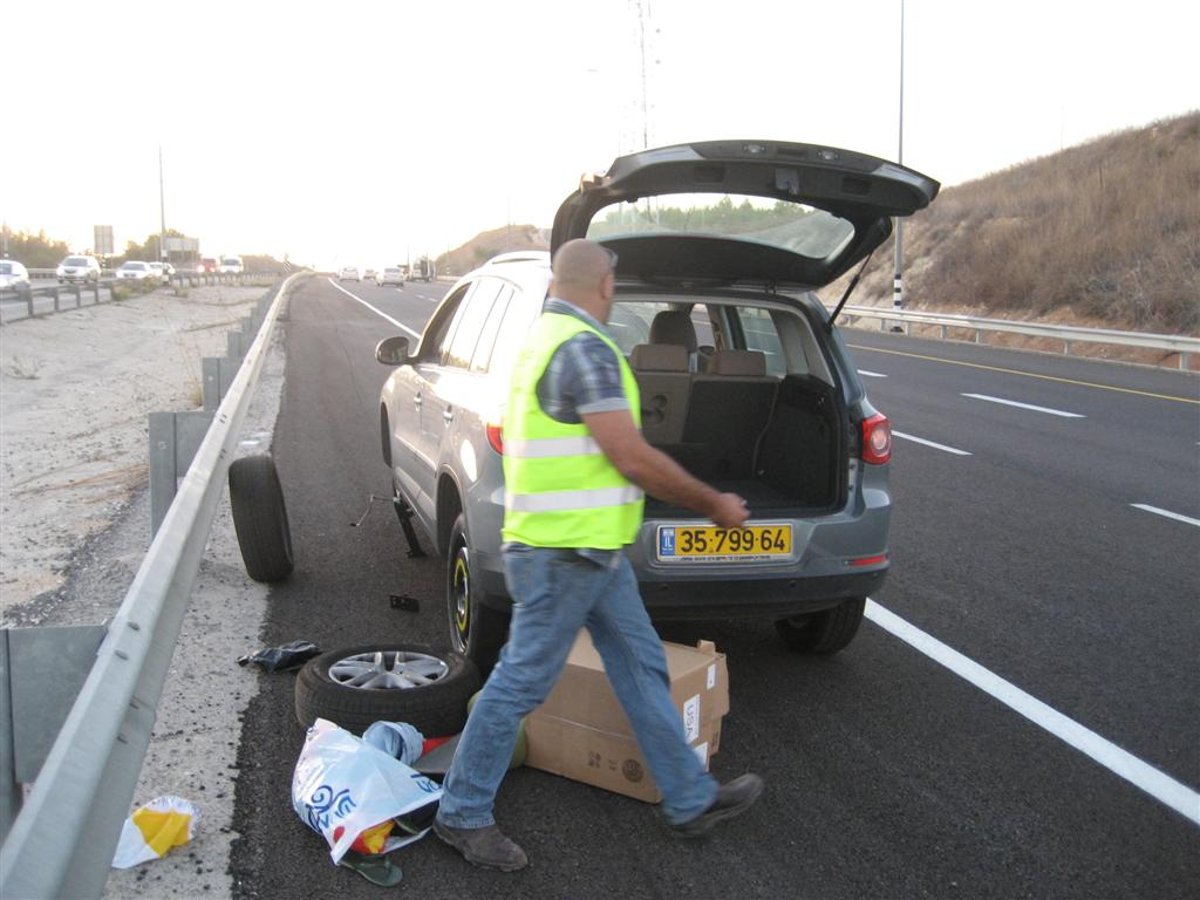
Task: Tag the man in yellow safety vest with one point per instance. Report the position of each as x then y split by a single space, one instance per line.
575 467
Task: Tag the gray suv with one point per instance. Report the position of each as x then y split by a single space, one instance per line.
744 380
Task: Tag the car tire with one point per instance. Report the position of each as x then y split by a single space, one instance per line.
358 686
260 518
824 632
477 630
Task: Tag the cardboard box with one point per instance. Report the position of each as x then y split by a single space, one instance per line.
582 733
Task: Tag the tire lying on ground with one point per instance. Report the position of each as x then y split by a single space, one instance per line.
260 518
412 683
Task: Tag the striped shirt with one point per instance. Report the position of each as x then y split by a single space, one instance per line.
584 375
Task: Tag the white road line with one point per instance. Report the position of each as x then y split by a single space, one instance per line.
867 374
1178 517
377 312
917 440
1142 775
1041 409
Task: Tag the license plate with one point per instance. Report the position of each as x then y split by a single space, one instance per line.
708 543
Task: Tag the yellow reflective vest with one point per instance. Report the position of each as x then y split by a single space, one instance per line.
560 488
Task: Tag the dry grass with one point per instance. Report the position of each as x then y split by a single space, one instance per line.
1107 232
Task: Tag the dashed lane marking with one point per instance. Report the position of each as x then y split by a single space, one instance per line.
1029 406
1091 384
917 440
1166 513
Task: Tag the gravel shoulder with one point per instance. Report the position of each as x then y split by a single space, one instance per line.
77 391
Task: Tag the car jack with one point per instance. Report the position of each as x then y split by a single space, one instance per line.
404 513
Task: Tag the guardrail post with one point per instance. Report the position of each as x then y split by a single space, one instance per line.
217 374
29 299
56 292
11 793
174 439
41 672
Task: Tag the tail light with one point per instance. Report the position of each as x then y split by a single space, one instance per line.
495 436
876 440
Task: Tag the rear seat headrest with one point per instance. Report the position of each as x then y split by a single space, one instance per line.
738 362
673 326
658 358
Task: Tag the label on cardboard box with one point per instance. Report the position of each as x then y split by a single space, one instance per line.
691 717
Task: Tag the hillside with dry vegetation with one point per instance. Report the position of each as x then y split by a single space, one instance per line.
1106 233
487 244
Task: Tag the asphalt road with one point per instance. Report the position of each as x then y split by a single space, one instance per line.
888 775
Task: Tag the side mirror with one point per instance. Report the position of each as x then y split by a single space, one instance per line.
392 351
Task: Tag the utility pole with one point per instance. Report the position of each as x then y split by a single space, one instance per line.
162 212
898 267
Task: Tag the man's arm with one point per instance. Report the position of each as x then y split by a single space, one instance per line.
656 473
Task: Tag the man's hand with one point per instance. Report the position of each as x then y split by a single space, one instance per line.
729 511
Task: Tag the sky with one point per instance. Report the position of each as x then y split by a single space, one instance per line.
367 133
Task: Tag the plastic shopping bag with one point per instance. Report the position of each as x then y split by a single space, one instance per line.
155 828
350 792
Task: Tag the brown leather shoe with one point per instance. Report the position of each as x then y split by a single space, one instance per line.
487 847
732 799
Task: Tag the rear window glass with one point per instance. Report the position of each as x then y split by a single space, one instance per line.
6 269
75 261
469 321
629 323
759 331
794 227
487 335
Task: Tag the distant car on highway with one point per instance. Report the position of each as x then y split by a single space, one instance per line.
78 268
206 266
231 265
136 269
368 274
13 275
164 270
349 273
390 275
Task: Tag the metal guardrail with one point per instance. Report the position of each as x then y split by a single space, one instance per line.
1068 334
62 842
31 294
181 276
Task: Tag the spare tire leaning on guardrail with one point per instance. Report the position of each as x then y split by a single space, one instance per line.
260 518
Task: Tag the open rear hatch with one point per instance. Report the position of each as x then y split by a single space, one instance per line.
819 210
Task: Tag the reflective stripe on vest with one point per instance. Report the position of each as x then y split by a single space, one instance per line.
548 463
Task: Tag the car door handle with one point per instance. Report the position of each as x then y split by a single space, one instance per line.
447 415
417 399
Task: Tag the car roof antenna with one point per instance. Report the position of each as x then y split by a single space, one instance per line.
849 290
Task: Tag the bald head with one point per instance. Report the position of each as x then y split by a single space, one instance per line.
581 271
581 262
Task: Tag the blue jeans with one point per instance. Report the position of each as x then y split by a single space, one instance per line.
556 592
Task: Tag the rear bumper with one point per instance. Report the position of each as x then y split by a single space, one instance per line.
728 598
690 600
